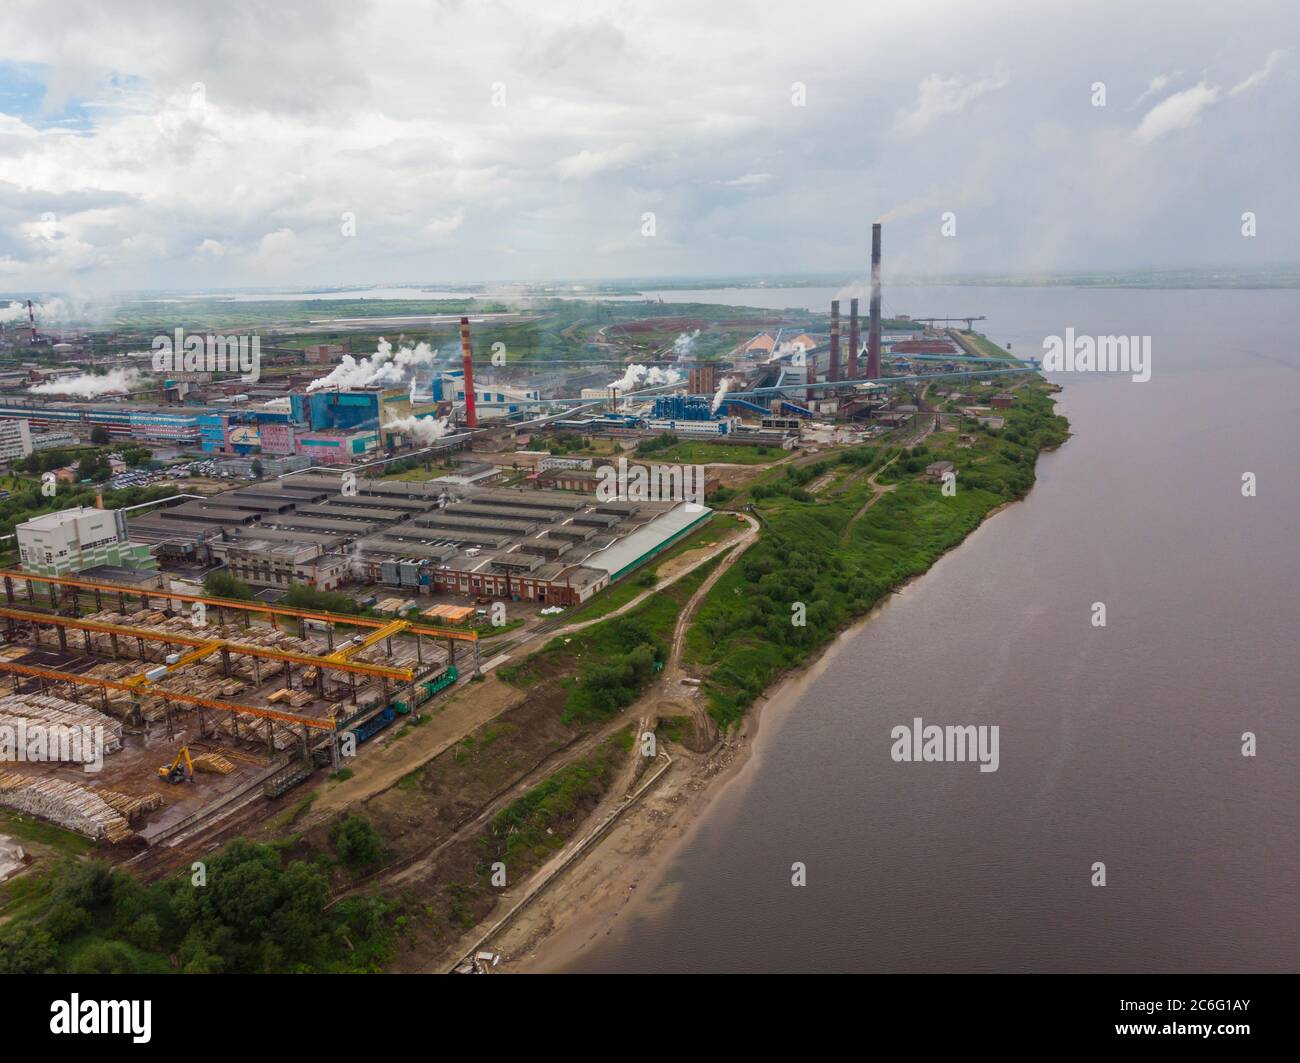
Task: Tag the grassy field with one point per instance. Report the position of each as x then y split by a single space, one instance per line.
745 634
622 592
420 474
696 452
985 345
603 668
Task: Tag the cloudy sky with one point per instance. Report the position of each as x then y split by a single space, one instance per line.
154 145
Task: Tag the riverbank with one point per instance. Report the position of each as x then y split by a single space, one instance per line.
625 876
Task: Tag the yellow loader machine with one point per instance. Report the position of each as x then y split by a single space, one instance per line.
179 770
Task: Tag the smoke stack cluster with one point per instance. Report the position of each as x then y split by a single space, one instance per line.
855 338
873 335
835 341
466 353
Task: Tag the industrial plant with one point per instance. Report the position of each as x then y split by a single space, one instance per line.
267 575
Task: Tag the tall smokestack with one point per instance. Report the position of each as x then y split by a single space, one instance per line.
835 341
873 336
855 339
466 353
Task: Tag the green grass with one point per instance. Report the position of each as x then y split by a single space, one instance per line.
33 830
743 635
418 475
487 630
531 828
634 583
289 818
695 452
585 663
985 345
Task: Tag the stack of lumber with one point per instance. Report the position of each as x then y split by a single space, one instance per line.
214 763
93 813
252 729
131 806
42 710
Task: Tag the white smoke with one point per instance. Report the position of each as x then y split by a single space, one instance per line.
57 311
785 350
683 343
421 429
638 376
384 367
277 404
89 386
724 385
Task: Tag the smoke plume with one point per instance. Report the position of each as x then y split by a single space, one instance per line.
89 386
421 429
683 343
637 376
724 386
385 367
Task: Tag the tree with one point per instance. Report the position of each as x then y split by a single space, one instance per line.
105 957
27 950
258 469
99 435
301 596
93 467
356 842
223 585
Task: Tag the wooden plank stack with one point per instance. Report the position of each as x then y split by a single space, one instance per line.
214 763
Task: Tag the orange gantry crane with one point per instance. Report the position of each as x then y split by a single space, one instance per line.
133 685
99 587
201 641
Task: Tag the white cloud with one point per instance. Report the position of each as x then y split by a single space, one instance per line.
1179 111
321 107
939 96
444 227
589 163
1259 75
1157 84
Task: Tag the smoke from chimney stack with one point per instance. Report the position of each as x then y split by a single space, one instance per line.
873 336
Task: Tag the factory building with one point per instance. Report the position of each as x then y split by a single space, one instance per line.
77 539
682 415
263 563
122 420
546 546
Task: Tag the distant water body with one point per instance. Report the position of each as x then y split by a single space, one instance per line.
1119 745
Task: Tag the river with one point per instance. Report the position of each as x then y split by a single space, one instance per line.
1120 745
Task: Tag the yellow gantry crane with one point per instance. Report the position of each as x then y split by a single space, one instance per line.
362 642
